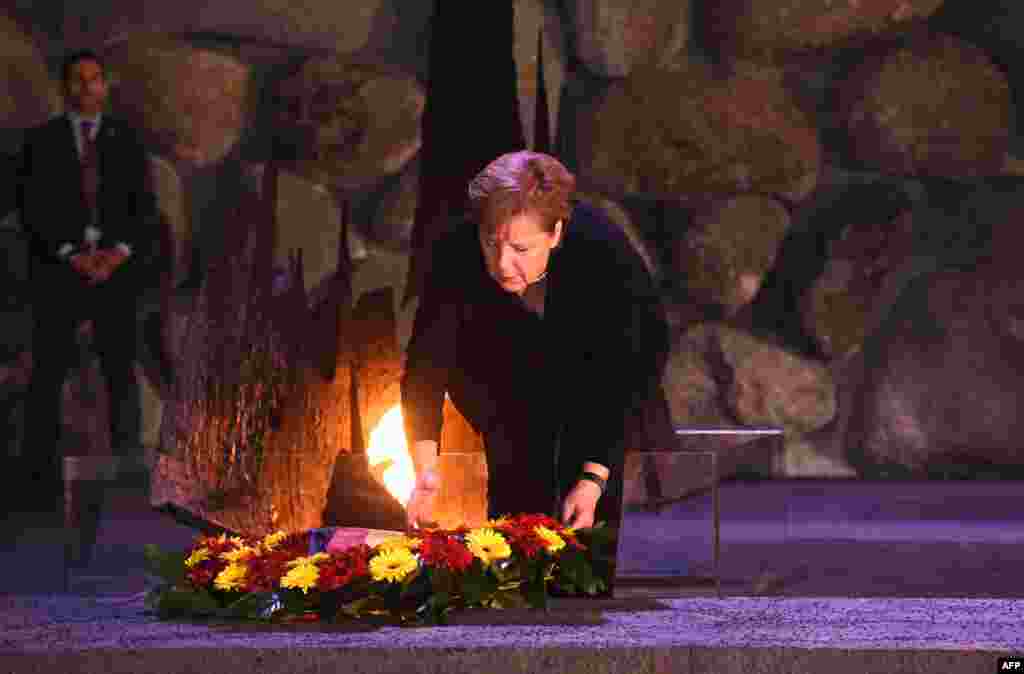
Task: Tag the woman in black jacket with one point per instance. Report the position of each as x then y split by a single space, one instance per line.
543 326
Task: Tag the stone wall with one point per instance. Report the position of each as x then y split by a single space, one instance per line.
827 192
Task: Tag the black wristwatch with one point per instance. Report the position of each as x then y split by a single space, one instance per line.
595 478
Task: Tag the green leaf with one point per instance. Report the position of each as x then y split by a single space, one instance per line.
589 581
409 579
438 605
535 590
508 599
169 566
417 589
474 588
355 608
251 606
294 602
441 579
179 603
501 574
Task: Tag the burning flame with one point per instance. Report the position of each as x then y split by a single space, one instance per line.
388 455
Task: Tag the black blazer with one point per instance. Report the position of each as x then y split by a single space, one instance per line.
604 341
53 208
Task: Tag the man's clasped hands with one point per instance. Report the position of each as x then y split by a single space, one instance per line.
98 265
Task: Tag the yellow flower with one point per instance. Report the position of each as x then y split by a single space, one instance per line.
396 542
392 565
238 541
271 540
231 577
501 521
308 561
488 545
301 576
553 542
240 554
198 555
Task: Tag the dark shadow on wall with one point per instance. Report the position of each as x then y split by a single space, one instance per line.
803 255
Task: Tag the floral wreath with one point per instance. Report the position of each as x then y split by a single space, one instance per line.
414 578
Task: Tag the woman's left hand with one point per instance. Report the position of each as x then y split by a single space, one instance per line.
579 505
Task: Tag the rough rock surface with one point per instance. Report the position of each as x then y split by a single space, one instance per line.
838 306
30 94
310 219
190 103
720 375
728 248
535 18
393 218
942 378
770 28
679 135
361 122
614 36
934 105
376 27
260 405
621 217
770 386
170 194
59 634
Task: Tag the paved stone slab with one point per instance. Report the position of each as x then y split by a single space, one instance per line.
64 633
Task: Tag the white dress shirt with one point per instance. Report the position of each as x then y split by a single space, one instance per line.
92 233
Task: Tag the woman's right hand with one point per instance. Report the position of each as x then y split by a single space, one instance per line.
420 509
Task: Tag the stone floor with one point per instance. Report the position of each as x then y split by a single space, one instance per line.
838 577
852 539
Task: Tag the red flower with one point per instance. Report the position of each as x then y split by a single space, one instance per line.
522 535
532 521
266 570
342 569
440 549
202 574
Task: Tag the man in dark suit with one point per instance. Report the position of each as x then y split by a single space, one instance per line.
89 210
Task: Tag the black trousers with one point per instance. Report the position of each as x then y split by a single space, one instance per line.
62 301
531 477
520 473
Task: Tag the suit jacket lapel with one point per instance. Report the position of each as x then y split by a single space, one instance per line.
67 141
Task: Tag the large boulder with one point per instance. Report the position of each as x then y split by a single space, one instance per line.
772 28
310 221
691 387
730 245
191 104
31 95
720 375
837 308
932 105
358 122
371 27
614 36
170 197
942 388
260 405
621 217
686 134
395 214
537 21
771 386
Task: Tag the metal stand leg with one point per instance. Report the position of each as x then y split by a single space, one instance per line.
716 506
